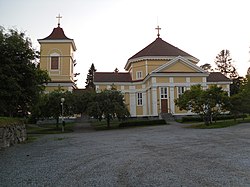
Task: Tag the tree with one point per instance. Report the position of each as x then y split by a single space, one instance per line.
224 63
90 78
207 103
21 81
108 104
207 67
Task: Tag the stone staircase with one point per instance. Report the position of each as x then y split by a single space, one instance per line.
167 117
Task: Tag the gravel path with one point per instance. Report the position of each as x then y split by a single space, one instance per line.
147 156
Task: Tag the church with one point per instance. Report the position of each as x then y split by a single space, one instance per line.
155 76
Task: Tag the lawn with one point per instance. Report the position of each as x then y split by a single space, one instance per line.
49 128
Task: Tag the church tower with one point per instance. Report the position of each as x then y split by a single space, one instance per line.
57 57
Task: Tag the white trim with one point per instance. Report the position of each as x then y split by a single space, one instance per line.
144 103
132 104
139 99
182 60
58 41
63 84
157 58
171 100
149 103
139 75
146 64
188 79
154 101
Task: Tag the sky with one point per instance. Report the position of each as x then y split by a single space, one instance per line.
108 32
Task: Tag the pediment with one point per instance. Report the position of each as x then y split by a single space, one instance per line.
179 65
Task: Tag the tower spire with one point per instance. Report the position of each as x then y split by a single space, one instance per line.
158 29
59 17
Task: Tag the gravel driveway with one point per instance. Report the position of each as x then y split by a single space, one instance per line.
147 156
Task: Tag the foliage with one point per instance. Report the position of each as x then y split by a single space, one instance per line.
218 117
90 78
207 67
9 121
240 102
21 81
224 64
207 103
142 123
108 104
235 87
221 124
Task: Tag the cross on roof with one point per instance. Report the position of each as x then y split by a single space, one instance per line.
158 28
59 17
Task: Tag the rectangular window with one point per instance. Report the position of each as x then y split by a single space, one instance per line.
180 90
139 99
164 93
54 62
138 75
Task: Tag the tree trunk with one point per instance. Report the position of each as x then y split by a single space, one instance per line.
108 121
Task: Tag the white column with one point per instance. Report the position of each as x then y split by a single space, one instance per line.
146 65
171 99
154 101
132 104
144 102
149 103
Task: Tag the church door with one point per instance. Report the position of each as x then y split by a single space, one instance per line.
164 106
164 100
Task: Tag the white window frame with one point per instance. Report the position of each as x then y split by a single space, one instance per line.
180 90
139 75
139 99
164 92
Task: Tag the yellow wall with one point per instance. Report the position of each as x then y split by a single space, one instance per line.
65 52
196 79
154 64
178 67
162 80
179 79
139 66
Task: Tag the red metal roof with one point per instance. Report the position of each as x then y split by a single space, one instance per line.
217 77
126 77
57 34
160 48
112 77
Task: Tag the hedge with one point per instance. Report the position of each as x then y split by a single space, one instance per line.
142 123
219 117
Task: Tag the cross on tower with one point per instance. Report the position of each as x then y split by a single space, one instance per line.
158 28
59 17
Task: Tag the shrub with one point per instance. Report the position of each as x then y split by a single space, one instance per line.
142 123
219 117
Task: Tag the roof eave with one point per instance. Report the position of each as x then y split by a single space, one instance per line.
196 60
58 41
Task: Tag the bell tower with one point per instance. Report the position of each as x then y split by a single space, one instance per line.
57 57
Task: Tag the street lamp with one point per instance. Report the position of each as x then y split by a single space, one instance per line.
62 101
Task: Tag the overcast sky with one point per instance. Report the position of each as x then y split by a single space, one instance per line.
108 32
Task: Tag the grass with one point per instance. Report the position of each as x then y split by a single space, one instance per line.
8 120
49 128
220 124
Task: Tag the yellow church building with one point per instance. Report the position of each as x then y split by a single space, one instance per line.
156 76
57 57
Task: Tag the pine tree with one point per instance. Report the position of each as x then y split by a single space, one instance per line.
224 64
90 78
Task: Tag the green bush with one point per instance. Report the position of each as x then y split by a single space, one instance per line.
219 117
142 123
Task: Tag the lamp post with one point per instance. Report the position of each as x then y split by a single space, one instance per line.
62 101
